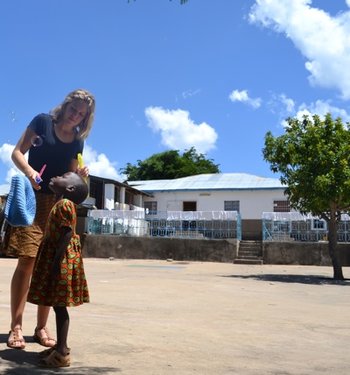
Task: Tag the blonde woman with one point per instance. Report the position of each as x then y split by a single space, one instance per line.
53 142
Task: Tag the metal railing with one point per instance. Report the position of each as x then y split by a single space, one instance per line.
175 224
293 226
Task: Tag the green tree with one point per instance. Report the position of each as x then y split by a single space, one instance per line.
169 165
313 158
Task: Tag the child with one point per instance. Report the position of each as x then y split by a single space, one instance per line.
58 278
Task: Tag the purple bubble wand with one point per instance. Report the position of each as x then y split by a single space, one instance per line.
38 178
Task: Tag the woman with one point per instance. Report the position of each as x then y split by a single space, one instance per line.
53 140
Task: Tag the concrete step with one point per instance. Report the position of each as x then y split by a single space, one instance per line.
251 247
249 252
249 256
248 261
244 246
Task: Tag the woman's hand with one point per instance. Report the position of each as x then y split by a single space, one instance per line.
34 177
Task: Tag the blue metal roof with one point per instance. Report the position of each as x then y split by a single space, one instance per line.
215 181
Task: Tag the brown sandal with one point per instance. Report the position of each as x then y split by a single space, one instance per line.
42 337
47 352
55 359
16 339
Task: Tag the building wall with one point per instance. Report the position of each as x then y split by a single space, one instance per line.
252 202
109 196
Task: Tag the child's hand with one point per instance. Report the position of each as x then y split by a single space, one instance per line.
83 172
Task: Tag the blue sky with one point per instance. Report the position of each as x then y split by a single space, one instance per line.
216 75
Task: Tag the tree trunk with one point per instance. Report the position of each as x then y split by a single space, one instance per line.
332 247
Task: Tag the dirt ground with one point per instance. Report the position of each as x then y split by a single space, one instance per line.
149 317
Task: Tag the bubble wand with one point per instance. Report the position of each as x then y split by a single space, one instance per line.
38 178
81 163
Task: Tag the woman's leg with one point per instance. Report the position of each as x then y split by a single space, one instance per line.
62 327
41 333
42 316
19 289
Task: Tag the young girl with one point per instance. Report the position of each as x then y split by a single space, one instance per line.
58 278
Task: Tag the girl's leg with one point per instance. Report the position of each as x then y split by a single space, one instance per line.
62 327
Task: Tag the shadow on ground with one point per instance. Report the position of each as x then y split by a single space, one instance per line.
300 279
19 362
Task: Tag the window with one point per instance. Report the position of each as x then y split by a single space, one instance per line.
231 206
128 197
281 206
318 224
96 192
116 194
189 206
93 189
150 207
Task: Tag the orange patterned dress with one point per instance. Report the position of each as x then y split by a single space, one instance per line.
70 286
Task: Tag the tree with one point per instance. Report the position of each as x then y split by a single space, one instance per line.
169 165
313 157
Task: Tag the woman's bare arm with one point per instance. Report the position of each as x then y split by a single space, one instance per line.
21 148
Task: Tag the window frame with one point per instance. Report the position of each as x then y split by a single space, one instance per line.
235 204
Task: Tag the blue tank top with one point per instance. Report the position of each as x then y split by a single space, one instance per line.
48 149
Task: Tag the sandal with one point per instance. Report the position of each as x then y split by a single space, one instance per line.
47 352
42 337
16 339
55 359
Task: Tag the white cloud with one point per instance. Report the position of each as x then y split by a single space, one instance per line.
188 93
322 39
99 164
178 131
288 103
4 189
5 153
5 157
280 104
243 97
320 108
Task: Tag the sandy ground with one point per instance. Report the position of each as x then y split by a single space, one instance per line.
159 317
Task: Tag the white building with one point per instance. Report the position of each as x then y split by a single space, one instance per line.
248 194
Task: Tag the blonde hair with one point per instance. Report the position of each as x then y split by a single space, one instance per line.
83 129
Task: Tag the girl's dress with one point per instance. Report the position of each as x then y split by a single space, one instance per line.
69 288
